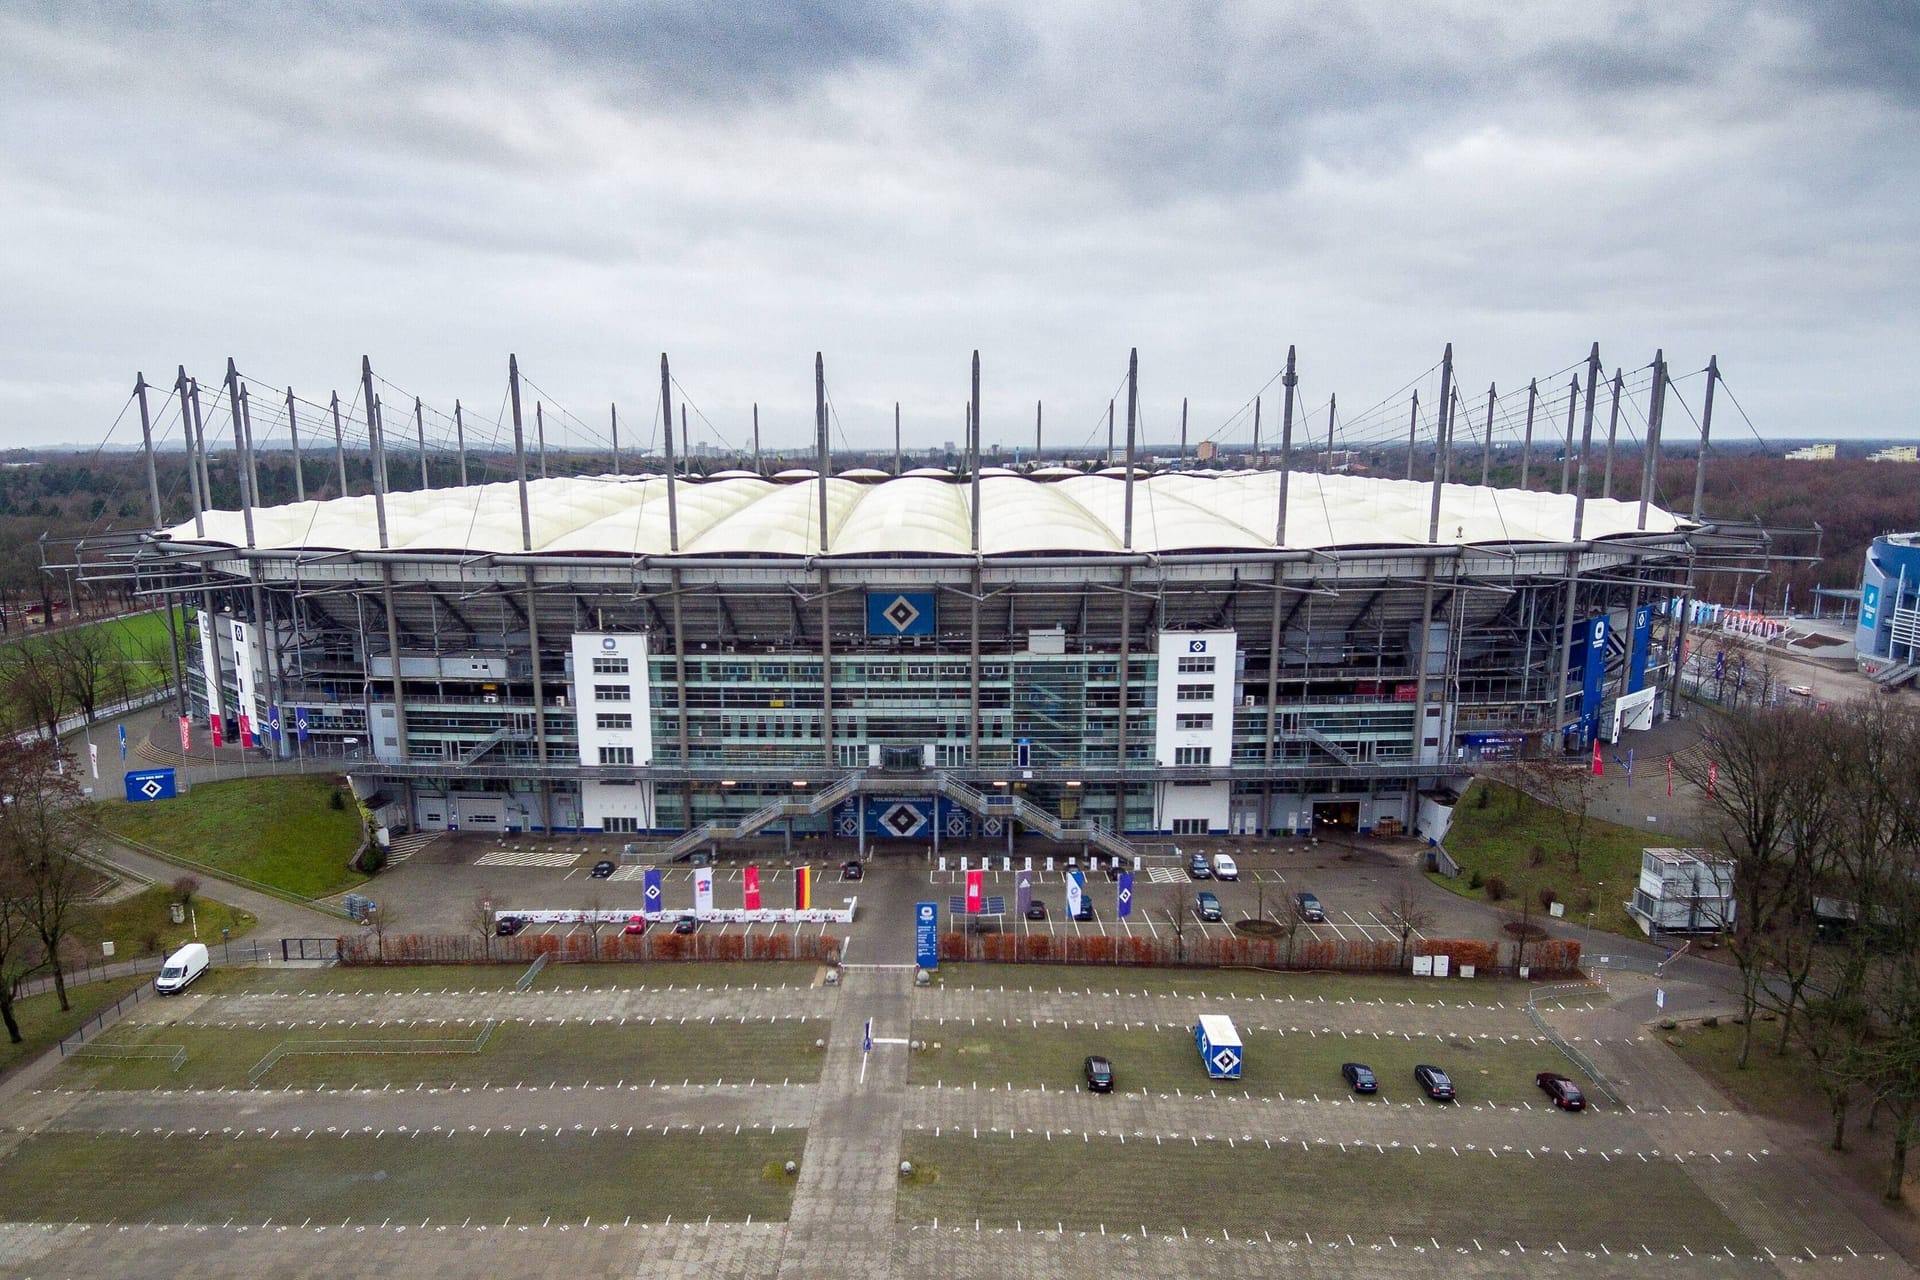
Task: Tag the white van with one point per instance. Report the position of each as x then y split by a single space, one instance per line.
182 967
1225 868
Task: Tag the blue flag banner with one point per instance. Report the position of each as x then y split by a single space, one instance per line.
300 722
1125 907
123 744
273 722
651 893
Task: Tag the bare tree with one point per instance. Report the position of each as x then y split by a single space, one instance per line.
83 657
20 952
1568 791
379 918
40 841
32 683
1173 905
484 922
1403 909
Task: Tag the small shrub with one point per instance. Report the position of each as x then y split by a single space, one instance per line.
1537 856
1496 888
150 941
336 801
1475 880
184 889
1709 1022
1547 898
1584 903
1482 797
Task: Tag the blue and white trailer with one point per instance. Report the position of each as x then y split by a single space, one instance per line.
1219 1044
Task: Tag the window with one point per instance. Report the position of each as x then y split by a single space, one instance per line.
1193 693
603 666
613 692
1194 722
622 826
1189 826
1193 755
1196 665
613 720
616 755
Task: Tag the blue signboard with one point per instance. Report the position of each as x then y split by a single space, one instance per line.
903 818
150 784
1125 908
1869 606
900 613
926 934
1637 655
1593 678
651 893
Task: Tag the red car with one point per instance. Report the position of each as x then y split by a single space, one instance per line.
1565 1093
636 925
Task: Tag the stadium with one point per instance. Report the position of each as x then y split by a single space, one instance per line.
1090 655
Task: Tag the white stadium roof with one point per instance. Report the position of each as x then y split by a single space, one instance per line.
923 514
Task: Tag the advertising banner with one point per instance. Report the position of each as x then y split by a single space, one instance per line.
186 733
976 891
1642 642
803 888
1023 893
703 889
1076 887
1125 896
149 784
210 663
652 891
750 881
926 935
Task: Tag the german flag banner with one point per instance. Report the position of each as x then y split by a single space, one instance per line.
802 888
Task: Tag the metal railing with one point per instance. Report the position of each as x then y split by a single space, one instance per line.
1586 1064
325 1048
174 1055
102 1020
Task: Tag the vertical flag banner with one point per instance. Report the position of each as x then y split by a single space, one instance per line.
246 731
1629 768
273 722
651 893
1023 893
1669 777
1076 887
1713 776
300 723
1125 905
803 888
93 757
186 733
213 723
703 889
750 891
1599 770
976 891
123 744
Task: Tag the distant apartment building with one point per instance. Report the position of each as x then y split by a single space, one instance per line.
1896 453
1813 453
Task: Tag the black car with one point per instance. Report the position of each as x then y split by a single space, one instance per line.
1099 1073
1309 908
1198 868
685 924
1434 1081
1565 1093
1086 910
1359 1077
851 869
1036 910
602 869
507 926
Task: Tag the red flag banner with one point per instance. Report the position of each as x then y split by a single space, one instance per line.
1713 776
751 894
213 722
976 891
1669 777
1599 769
186 733
246 732
802 888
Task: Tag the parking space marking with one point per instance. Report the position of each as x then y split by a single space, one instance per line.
526 858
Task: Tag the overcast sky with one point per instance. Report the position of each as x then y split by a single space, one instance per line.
437 184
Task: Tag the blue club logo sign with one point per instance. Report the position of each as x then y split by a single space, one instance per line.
1225 1060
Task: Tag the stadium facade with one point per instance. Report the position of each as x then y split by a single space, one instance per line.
1086 654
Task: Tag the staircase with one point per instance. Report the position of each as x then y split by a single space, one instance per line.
976 802
504 733
1308 734
1895 676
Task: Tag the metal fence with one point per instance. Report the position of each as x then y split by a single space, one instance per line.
1561 991
323 950
288 1048
102 1020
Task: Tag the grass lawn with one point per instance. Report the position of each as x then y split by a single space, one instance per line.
1293 1065
517 1053
1500 839
1221 983
1292 1193
278 831
1784 1087
43 1024
142 925
58 1177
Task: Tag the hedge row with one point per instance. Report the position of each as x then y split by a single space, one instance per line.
1545 959
582 948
